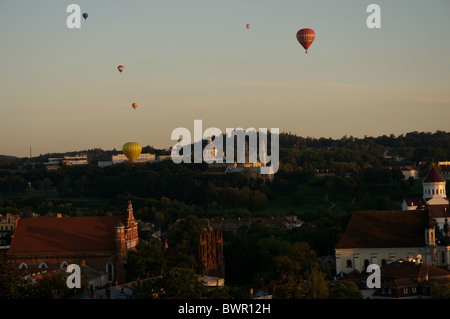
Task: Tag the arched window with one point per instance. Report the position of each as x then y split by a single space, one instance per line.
366 264
63 265
383 262
110 271
23 266
42 265
349 263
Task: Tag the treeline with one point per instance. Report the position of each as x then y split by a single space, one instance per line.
414 146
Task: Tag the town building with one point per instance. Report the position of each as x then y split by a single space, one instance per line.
409 172
445 169
381 237
99 243
434 194
211 252
7 223
400 279
142 158
56 162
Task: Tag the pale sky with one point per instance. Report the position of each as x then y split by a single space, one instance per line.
60 89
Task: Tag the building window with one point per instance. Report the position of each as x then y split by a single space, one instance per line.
366 264
405 290
349 263
414 290
63 265
42 265
390 291
383 262
23 266
109 270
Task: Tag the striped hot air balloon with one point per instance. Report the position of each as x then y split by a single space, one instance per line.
306 37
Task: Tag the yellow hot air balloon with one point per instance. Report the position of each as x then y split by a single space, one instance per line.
132 150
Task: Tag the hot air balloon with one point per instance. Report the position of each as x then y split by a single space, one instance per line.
85 15
132 150
306 37
134 105
120 68
248 26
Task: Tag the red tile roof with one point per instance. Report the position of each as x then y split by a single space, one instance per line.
385 229
50 235
433 176
412 270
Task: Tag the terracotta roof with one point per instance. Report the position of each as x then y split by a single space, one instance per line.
385 229
412 270
51 235
399 283
433 176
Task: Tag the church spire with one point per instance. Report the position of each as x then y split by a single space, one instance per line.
130 212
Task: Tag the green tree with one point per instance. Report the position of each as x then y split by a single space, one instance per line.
179 283
440 291
54 286
316 285
146 261
12 281
299 275
346 290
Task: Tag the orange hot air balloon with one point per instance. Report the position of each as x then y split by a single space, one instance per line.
120 68
248 26
134 105
306 37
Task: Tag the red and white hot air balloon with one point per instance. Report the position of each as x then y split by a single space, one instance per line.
120 68
248 26
306 37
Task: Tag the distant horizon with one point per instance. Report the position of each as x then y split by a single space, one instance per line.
119 148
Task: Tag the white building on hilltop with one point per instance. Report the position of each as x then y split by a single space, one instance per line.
56 162
121 158
142 158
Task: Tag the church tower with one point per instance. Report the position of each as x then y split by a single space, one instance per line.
434 188
126 237
131 230
120 252
211 252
